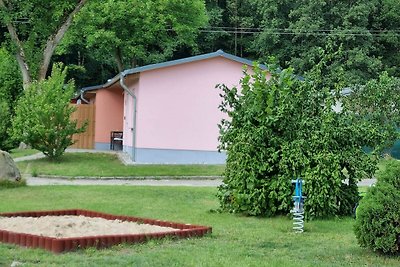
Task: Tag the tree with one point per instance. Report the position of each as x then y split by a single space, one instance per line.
35 29
137 32
285 127
43 113
293 31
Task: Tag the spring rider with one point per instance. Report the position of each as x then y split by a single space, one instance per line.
298 209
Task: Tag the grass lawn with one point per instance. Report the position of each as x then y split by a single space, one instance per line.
17 153
236 240
108 165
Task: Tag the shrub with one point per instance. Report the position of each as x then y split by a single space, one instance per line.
5 119
282 128
378 215
43 113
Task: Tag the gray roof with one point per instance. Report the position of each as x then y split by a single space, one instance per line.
218 53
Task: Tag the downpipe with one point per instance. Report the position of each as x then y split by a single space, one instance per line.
133 129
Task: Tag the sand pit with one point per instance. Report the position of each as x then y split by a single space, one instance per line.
76 226
67 230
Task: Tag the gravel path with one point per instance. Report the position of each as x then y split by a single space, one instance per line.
136 181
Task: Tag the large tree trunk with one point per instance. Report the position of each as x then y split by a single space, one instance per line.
55 39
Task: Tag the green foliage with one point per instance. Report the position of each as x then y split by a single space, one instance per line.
378 219
35 21
293 31
376 105
10 89
283 128
128 33
42 117
4 123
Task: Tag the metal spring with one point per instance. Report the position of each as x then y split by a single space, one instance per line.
298 221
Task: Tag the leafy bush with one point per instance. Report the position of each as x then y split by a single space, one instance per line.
10 89
282 128
5 121
43 115
378 215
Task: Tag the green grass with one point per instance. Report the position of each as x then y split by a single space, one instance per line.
17 153
236 240
108 165
4 184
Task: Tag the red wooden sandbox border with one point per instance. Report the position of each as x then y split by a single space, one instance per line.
58 245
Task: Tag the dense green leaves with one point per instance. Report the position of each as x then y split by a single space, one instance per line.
293 31
10 89
136 32
34 30
283 128
377 106
378 217
43 113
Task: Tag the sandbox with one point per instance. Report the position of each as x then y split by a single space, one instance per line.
94 229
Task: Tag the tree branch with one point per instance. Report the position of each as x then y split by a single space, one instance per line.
20 55
55 39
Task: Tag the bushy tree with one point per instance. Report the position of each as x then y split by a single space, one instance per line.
129 33
284 127
43 113
378 218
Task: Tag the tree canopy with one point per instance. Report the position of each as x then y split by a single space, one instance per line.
35 28
128 33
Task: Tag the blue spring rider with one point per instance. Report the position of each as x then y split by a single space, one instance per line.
298 209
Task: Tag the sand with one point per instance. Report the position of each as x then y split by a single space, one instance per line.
75 226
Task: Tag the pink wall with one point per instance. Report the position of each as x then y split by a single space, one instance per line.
109 113
177 106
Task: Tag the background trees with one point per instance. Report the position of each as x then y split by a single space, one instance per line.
108 36
35 28
368 31
124 34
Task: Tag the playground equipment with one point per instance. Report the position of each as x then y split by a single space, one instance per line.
298 209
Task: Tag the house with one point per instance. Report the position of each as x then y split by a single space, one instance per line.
166 112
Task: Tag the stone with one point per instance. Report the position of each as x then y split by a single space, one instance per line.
16 263
22 145
8 169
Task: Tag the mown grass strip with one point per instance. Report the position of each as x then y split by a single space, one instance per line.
108 165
